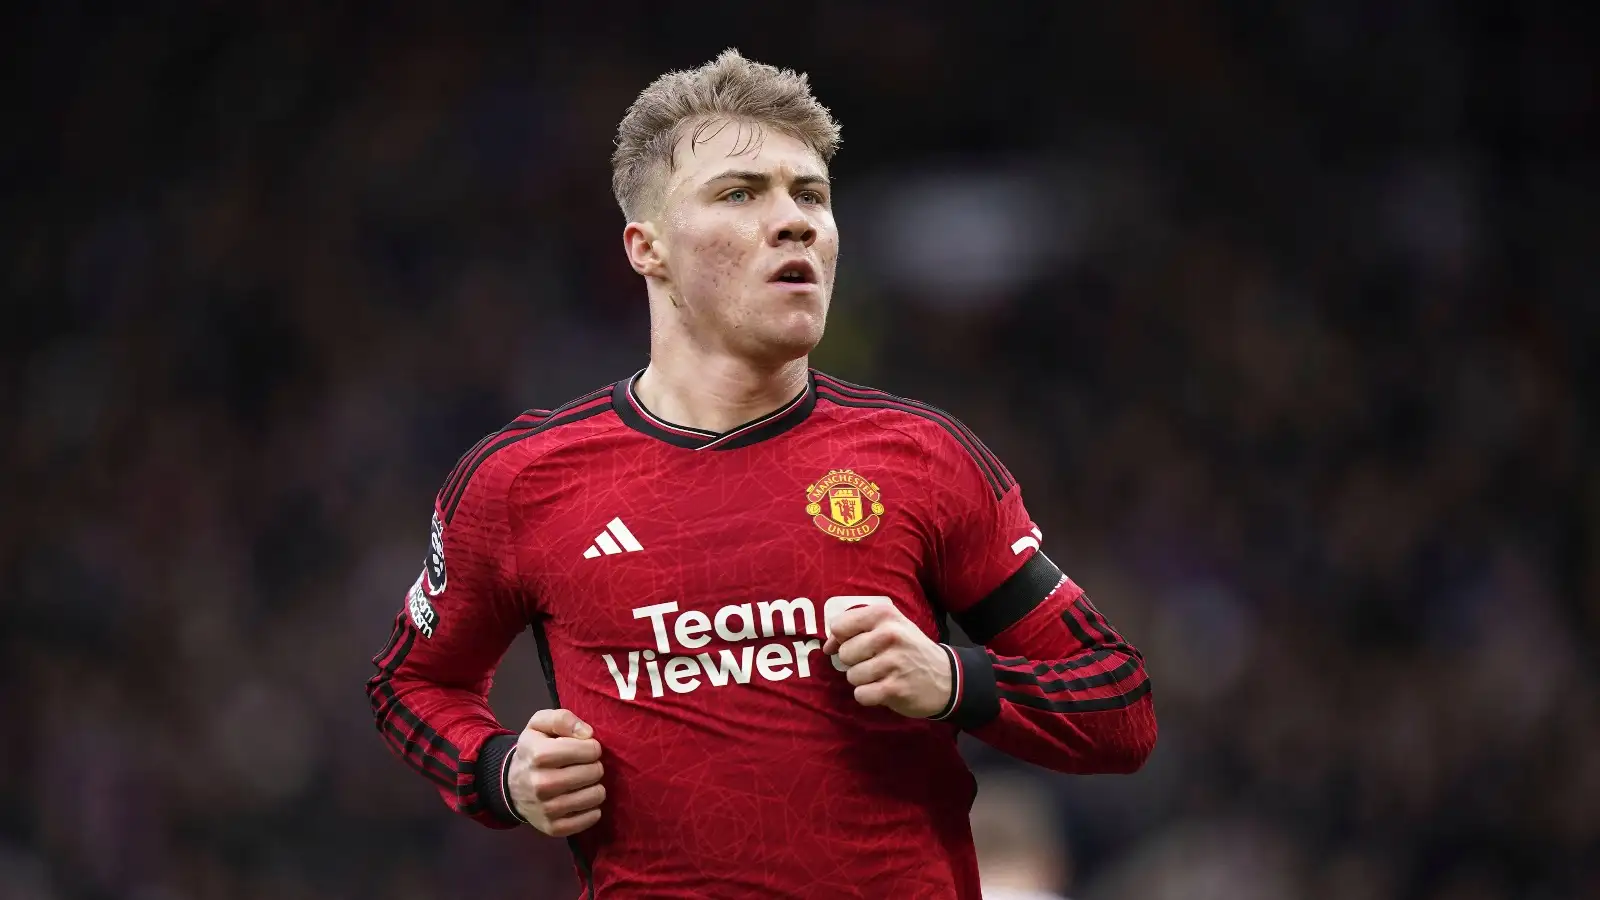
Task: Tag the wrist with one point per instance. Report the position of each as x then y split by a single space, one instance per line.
974 697
494 778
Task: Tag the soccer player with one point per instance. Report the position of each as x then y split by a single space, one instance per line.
739 571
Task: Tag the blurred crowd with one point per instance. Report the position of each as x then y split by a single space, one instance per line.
1284 316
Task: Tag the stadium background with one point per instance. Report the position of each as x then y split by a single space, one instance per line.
1283 314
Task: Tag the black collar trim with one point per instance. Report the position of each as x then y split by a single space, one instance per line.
634 414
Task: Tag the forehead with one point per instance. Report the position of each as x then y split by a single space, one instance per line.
709 148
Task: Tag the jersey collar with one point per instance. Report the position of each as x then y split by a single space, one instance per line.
636 416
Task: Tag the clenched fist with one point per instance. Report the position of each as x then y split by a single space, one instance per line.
890 661
554 782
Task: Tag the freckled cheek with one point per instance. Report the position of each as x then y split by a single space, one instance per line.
828 255
720 260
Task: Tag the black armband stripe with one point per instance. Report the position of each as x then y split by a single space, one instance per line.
1007 604
1059 685
1100 704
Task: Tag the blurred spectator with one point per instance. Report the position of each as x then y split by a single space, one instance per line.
1023 852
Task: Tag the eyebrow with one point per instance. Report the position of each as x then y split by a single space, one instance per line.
806 178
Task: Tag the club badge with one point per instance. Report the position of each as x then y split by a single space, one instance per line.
845 505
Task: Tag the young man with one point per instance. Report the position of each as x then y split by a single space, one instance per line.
738 570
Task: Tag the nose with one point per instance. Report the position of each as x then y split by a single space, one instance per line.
790 225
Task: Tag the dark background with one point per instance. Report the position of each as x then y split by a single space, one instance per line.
1284 314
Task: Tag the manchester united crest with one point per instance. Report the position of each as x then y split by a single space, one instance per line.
845 505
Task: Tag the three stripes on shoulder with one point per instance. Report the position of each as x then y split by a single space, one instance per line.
615 539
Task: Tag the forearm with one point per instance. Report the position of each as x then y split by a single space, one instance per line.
440 731
1055 684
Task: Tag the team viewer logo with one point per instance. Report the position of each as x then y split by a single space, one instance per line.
844 505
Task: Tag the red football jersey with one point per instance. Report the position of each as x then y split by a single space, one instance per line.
680 583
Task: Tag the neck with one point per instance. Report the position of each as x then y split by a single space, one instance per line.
714 391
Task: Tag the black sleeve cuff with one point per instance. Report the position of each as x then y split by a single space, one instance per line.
976 700
494 763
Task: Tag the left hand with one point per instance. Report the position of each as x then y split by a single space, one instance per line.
890 661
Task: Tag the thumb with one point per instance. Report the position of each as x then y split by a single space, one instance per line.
559 723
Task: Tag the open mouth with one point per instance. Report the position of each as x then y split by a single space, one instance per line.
795 272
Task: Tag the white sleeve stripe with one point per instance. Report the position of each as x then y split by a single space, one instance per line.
1024 543
624 535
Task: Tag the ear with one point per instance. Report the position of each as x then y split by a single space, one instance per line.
647 253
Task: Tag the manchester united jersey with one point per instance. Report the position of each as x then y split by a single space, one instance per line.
679 585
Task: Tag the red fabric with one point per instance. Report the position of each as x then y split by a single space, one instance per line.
761 777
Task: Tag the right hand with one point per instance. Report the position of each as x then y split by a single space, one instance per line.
554 781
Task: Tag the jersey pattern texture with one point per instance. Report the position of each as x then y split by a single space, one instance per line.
679 584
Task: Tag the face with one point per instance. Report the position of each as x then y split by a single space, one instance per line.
746 241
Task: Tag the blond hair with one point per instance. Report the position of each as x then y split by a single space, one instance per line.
729 88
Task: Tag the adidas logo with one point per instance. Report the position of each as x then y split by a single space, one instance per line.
607 541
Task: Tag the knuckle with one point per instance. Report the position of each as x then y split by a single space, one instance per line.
545 788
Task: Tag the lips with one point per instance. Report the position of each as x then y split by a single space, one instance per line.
794 271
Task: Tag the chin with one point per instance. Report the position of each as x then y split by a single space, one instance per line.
789 341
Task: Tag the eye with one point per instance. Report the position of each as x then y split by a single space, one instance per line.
737 195
814 197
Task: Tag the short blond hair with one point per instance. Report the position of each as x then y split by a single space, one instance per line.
727 88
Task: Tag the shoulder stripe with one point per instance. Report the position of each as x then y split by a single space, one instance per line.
825 393
526 420
877 404
582 408
980 452
859 390
999 481
470 460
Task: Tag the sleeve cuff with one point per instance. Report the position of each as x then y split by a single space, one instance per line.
974 699
494 764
